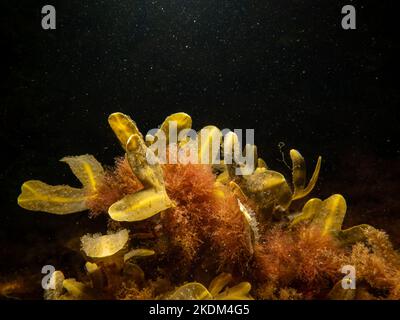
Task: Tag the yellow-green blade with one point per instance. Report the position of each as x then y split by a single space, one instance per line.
230 146
76 290
190 291
298 171
144 163
139 206
219 282
354 234
251 153
55 291
138 253
39 196
101 246
223 177
310 209
270 187
87 169
261 163
123 127
209 144
182 120
238 292
311 183
330 218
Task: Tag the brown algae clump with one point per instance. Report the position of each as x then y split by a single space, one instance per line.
209 230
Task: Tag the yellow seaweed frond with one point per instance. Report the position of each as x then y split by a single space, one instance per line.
87 169
237 191
232 153
298 172
239 292
148 202
299 175
96 275
231 147
101 246
310 209
354 234
219 283
182 120
326 215
144 163
331 214
209 141
123 127
139 206
138 253
190 291
196 291
223 177
91 267
56 286
62 199
133 273
261 163
269 188
67 289
39 196
76 290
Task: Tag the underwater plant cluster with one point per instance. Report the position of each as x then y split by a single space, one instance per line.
201 231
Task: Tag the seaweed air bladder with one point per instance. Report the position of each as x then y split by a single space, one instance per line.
209 230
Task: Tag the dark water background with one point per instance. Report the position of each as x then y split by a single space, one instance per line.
284 68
